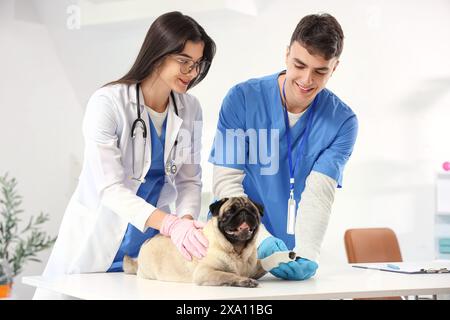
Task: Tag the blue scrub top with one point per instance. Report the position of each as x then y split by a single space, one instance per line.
149 191
256 104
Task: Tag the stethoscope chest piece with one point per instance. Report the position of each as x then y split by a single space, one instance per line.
171 167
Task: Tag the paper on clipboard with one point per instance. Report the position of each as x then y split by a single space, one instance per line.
408 267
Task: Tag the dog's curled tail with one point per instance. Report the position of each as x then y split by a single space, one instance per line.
130 266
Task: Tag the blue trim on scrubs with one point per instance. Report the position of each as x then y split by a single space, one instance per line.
150 192
256 104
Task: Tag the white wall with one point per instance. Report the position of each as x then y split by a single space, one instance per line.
394 73
40 121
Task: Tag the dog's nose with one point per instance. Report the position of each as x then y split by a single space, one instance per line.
243 226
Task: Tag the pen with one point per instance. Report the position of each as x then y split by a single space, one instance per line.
393 266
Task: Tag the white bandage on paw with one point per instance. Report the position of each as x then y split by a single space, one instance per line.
276 258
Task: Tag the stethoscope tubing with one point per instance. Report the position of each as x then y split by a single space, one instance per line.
170 167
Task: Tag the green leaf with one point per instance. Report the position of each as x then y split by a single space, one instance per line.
19 247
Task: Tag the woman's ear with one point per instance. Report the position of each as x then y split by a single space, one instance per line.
215 207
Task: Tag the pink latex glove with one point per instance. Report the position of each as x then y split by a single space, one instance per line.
186 234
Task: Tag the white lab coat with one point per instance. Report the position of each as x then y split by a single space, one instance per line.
105 199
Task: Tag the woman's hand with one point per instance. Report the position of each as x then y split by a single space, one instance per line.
187 236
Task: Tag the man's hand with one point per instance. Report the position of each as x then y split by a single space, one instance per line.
300 269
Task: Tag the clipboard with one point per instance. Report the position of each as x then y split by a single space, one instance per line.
404 268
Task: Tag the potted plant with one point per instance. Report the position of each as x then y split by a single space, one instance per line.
17 245
5 279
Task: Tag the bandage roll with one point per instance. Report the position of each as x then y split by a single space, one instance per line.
276 258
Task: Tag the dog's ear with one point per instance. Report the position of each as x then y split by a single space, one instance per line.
214 207
260 207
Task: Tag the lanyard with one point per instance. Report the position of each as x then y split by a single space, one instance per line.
304 136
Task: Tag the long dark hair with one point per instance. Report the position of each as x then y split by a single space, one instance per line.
167 35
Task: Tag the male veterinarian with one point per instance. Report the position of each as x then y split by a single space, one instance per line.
310 133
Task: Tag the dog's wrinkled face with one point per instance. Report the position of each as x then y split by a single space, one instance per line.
238 218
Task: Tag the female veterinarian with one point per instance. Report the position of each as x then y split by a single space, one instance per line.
142 140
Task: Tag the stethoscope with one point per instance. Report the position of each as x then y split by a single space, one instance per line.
170 167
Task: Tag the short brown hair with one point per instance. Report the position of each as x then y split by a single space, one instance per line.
320 34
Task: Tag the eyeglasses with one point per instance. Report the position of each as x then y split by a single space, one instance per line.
187 65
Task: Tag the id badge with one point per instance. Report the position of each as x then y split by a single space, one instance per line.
291 216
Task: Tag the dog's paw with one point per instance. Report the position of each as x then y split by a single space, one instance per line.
247 283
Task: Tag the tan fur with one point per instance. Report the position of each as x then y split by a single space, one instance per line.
129 265
222 266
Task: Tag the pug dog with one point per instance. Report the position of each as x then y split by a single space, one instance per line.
231 258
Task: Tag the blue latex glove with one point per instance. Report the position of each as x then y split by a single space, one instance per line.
300 269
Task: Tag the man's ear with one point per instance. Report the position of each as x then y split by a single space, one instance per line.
287 55
260 207
214 207
335 66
